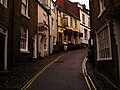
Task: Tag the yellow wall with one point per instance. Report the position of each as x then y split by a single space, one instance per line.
60 16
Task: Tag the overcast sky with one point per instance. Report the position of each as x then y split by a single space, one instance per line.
86 2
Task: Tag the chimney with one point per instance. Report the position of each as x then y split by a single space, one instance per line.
84 6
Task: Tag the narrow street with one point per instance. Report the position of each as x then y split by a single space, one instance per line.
64 74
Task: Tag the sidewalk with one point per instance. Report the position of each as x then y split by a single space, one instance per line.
22 72
101 82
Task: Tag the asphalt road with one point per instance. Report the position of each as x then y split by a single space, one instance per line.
63 74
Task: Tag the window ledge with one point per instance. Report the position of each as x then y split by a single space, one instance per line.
26 16
24 51
104 59
101 13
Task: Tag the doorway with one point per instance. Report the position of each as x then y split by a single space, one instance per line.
2 51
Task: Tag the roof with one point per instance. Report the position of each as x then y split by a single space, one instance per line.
69 8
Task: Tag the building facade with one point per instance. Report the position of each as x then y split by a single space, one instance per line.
43 30
105 31
5 34
53 26
84 24
24 29
68 22
18 23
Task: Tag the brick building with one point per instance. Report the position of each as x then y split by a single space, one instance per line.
5 34
18 25
105 17
24 29
68 22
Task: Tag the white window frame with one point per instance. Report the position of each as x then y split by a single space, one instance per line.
26 47
4 3
71 22
89 21
106 44
83 18
24 8
75 23
102 7
5 32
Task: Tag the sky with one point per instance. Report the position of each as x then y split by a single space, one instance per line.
86 2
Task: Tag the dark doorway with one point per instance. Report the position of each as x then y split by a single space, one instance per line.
60 37
2 51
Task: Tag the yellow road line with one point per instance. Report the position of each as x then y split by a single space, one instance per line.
86 75
39 73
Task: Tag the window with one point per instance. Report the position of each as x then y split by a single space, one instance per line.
104 48
52 7
75 23
83 18
54 40
101 6
88 21
71 22
24 39
4 3
24 7
52 21
85 34
45 45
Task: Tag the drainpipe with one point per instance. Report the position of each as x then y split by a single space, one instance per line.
92 39
57 22
12 33
49 31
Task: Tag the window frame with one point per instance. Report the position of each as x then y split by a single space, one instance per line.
101 7
26 43
104 47
24 8
71 24
83 18
4 3
85 34
75 23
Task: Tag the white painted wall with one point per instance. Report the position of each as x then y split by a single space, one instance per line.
84 26
53 28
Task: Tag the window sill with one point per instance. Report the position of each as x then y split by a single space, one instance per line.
104 59
26 16
101 13
24 51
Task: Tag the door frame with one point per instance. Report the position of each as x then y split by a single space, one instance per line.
5 32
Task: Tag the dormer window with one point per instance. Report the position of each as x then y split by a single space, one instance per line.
4 3
101 6
24 8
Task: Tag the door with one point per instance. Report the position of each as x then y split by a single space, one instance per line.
34 48
2 51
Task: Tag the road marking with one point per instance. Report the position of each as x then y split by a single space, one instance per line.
39 73
86 75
